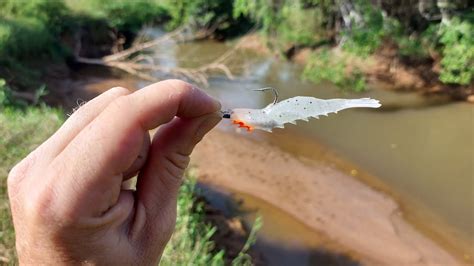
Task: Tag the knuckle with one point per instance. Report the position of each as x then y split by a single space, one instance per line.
179 87
39 202
119 91
39 208
175 164
19 172
15 174
178 84
120 103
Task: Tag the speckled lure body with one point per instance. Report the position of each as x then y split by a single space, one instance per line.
277 114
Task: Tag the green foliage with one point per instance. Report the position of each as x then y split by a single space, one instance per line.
6 97
263 12
302 23
214 15
301 26
8 100
412 46
51 13
127 15
24 37
21 131
322 67
191 242
202 13
123 15
4 94
34 30
365 36
243 258
457 39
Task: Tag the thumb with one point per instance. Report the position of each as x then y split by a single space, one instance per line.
161 177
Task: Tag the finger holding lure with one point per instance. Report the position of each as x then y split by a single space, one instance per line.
277 114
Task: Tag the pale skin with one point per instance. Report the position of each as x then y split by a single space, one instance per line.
67 200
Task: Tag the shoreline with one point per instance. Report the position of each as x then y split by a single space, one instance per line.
384 67
353 215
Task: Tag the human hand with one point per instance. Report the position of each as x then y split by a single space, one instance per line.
66 196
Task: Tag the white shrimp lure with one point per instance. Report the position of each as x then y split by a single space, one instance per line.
277 114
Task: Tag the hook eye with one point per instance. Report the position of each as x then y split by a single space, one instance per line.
226 113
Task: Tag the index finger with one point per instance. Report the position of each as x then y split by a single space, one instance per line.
92 164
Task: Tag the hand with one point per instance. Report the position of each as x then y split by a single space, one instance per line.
66 197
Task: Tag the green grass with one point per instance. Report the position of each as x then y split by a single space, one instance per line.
191 242
21 131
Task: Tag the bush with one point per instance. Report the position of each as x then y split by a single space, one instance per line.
301 23
322 67
215 15
50 13
367 36
122 15
457 39
132 15
24 37
303 27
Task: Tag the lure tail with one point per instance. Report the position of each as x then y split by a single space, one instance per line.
364 102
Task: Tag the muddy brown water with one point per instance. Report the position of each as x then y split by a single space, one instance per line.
418 149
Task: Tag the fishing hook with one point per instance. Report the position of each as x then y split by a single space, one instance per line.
275 93
227 113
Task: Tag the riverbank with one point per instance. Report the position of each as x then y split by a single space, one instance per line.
385 68
350 216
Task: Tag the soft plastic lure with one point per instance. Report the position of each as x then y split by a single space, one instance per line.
277 114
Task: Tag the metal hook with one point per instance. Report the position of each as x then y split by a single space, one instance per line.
275 93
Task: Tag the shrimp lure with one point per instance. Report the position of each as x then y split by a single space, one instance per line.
277 114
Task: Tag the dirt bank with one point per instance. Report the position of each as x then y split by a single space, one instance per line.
385 67
349 213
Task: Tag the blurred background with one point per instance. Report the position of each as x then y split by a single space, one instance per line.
389 186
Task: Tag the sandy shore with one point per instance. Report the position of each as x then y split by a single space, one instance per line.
353 215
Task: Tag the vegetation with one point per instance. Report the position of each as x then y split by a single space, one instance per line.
361 27
323 67
35 29
191 243
22 129
457 42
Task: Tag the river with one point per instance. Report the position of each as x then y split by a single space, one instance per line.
417 149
